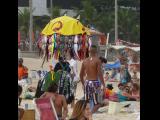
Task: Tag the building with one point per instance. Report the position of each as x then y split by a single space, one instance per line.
40 7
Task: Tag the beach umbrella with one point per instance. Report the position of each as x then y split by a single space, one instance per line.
64 25
92 31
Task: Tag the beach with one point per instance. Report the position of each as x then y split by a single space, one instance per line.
102 114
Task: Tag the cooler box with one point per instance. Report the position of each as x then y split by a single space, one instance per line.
29 115
114 107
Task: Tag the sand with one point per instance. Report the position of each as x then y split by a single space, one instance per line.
34 64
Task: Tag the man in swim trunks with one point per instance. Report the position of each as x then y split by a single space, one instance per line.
91 69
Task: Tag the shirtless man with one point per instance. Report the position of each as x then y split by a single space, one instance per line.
58 100
91 69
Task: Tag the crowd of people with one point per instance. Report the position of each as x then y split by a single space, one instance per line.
61 81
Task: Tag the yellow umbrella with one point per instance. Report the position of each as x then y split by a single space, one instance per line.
65 26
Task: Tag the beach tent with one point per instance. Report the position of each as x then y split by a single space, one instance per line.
117 47
93 31
136 49
115 65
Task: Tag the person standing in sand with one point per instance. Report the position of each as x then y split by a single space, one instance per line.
91 69
74 73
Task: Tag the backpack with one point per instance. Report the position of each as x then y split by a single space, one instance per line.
48 80
65 83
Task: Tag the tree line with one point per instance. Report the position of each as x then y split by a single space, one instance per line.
99 14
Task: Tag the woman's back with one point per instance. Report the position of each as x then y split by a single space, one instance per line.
57 100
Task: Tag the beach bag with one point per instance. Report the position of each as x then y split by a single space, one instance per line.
66 87
65 84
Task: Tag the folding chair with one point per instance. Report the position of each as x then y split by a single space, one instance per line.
46 109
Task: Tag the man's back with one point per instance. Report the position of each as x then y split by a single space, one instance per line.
90 67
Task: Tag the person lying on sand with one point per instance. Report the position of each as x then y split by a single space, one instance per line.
125 95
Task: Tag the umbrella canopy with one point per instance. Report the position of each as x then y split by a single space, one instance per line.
64 25
117 47
92 32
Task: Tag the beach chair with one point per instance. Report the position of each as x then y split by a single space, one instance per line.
45 109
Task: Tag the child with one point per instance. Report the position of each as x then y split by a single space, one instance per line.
107 77
113 75
109 91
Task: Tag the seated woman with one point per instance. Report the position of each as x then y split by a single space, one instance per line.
81 111
135 91
114 95
107 77
135 77
125 95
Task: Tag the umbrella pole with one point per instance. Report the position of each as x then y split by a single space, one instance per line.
106 45
44 59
